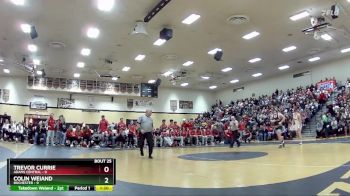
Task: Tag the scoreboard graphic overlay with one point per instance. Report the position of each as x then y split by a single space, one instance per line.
61 174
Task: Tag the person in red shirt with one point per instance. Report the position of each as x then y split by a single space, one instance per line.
121 125
163 126
132 137
186 137
184 124
71 136
175 126
216 135
79 135
51 130
200 135
86 136
190 124
209 135
194 137
171 125
178 137
103 125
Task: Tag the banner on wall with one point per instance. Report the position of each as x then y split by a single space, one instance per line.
143 103
4 95
173 105
91 102
186 104
38 105
65 103
328 85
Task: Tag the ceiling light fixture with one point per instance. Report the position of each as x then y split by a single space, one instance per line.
126 68
254 60
85 52
314 59
36 62
251 35
205 77
32 48
326 37
227 69
212 87
191 19
140 57
151 81
18 2
257 75
81 64
26 28
114 78
234 81
346 49
300 15
168 73
39 72
283 67
214 51
76 75
105 5
188 63
93 32
184 84
6 71
159 42
1 60
289 48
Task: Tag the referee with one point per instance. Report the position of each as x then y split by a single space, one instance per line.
146 126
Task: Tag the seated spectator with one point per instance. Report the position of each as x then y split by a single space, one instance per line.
19 135
86 136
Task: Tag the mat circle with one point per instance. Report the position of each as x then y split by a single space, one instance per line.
222 156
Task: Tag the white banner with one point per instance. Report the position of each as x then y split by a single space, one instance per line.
143 103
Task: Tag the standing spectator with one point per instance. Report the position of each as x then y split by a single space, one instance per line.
146 125
234 135
61 134
51 130
132 138
103 125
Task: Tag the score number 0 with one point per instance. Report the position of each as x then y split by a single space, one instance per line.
106 170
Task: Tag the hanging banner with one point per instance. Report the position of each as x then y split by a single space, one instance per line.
143 103
328 85
186 104
65 103
173 105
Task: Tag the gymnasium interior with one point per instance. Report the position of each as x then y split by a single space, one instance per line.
174 97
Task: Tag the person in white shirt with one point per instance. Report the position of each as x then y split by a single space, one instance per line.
4 130
19 136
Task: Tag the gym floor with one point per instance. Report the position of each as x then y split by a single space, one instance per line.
317 167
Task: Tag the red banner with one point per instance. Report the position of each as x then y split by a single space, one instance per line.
328 85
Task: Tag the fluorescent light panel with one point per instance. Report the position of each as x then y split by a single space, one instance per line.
126 68
346 49
77 75
114 78
314 59
140 57
300 15
105 5
26 28
227 69
257 75
188 63
254 60
32 48
93 32
168 73
18 2
251 35
159 42
191 19
212 87
81 64
36 62
326 37
234 81
283 67
289 48
151 81
6 71
205 77
39 72
85 52
213 51
184 84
